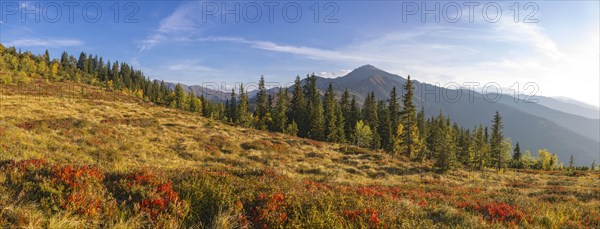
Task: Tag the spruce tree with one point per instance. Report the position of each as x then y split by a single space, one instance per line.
441 145
298 111
47 56
571 162
329 108
371 119
411 136
316 121
193 104
394 113
353 117
345 105
179 102
496 141
232 111
517 156
385 128
261 105
340 119
242 114
280 111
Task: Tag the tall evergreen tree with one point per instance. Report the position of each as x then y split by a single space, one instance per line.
280 111
194 103
411 136
496 141
371 119
179 102
517 155
345 109
47 56
394 113
261 105
442 145
340 119
316 121
232 111
331 114
242 114
571 162
298 111
385 128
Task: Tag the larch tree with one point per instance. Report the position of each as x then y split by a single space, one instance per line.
363 136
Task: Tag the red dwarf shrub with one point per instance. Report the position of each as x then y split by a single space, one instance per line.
367 217
269 211
77 189
496 211
142 192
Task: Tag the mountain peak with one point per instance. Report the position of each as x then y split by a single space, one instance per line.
368 67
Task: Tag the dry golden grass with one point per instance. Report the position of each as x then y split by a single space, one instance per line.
71 123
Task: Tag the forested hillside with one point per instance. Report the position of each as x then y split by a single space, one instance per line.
86 144
394 125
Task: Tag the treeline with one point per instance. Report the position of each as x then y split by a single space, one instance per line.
394 125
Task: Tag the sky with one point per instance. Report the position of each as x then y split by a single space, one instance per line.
553 45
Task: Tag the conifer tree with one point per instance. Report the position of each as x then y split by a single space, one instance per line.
371 119
179 102
441 145
232 111
353 117
298 111
345 105
195 103
411 136
47 56
385 128
571 162
496 141
316 121
242 115
517 155
362 134
261 105
329 108
394 113
280 111
340 119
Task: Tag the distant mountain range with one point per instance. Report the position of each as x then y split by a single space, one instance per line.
563 127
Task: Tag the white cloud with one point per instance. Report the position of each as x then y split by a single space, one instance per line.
335 74
182 25
48 43
503 52
190 66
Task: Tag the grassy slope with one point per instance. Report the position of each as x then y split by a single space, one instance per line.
77 124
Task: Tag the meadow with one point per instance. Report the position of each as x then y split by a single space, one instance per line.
73 156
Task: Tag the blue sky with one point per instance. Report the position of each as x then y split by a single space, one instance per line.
182 41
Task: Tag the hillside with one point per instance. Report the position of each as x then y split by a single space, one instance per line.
534 126
226 177
551 124
75 123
